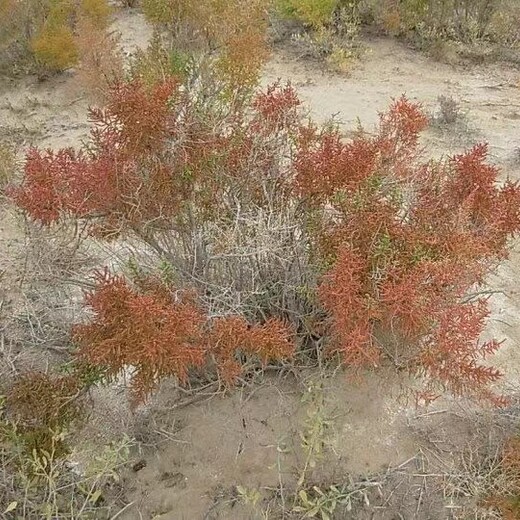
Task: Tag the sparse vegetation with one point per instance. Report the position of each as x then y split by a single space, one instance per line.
443 28
504 492
451 20
449 111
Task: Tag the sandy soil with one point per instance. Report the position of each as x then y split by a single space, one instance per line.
194 456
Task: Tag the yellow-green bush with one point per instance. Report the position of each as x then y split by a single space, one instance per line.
314 13
95 11
54 48
163 11
42 32
331 29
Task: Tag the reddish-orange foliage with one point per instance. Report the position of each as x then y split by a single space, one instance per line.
153 151
277 108
162 334
406 242
342 294
158 337
229 335
113 181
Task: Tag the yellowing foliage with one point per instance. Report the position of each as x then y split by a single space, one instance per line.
163 11
42 32
231 34
315 13
95 11
54 48
59 12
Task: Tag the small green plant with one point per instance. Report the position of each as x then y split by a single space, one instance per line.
314 500
249 496
326 501
318 503
46 484
316 428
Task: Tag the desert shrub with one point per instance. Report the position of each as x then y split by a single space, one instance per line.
429 23
444 28
18 23
164 333
54 48
100 56
41 408
363 245
330 29
53 42
41 33
205 185
405 242
449 111
158 61
505 497
97 12
227 36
